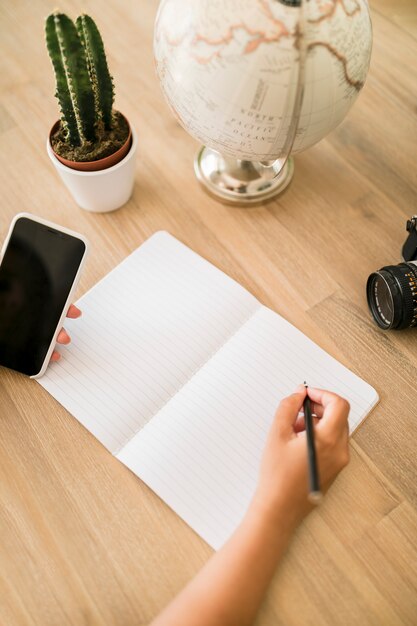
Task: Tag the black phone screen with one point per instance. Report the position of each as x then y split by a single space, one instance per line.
36 275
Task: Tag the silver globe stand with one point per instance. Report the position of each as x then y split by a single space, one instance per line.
237 181
241 182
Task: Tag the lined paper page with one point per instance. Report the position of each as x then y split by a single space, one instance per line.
201 453
146 328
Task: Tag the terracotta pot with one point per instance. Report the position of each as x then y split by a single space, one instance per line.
100 190
100 164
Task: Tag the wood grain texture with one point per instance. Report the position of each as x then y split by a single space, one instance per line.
82 540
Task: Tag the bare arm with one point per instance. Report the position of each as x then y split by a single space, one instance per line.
230 587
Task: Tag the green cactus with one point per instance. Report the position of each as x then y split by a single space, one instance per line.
73 86
101 80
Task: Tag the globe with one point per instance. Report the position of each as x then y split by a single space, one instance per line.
258 80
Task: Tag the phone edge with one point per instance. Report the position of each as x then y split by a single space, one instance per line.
67 231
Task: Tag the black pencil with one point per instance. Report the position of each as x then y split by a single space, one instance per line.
315 494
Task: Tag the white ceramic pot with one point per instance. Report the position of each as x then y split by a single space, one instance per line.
104 190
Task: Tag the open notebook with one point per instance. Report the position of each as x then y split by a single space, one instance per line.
177 370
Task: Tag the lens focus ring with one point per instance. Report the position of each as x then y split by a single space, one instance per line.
392 296
407 283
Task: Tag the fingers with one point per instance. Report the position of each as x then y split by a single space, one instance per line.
287 412
316 409
74 312
63 337
300 426
322 396
335 409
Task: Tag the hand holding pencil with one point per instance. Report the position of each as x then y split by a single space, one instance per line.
284 483
231 585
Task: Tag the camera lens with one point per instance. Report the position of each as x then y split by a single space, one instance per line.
392 295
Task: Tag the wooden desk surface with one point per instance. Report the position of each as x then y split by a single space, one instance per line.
82 540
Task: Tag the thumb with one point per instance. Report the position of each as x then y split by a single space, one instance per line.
287 412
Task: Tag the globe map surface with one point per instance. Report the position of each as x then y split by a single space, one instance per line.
229 69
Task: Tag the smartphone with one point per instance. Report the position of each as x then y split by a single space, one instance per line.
40 265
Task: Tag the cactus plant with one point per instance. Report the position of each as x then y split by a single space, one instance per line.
101 81
73 84
84 88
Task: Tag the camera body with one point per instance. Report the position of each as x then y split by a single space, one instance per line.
409 250
392 291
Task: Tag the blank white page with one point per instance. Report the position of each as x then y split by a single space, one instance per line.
146 328
201 452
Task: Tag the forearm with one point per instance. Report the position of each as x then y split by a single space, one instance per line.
230 588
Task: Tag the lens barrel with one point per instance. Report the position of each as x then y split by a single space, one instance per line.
392 296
